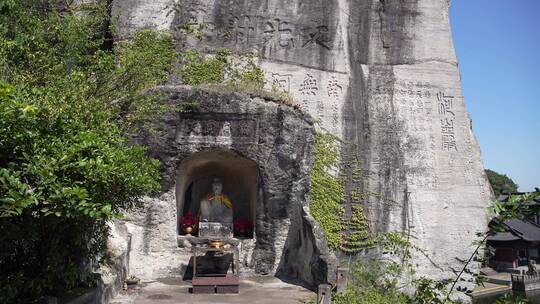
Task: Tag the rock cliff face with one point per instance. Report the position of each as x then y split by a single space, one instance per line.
380 74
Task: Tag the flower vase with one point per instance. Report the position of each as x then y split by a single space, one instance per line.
188 230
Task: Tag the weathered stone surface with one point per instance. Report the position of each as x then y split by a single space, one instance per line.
380 74
111 275
279 140
260 290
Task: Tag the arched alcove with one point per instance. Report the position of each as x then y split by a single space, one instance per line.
263 152
240 183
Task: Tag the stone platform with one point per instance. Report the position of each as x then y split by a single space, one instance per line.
263 290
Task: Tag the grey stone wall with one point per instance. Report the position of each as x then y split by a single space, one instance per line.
380 74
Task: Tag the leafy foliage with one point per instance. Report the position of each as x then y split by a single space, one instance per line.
68 98
370 295
232 72
500 183
359 236
512 299
327 190
516 207
380 280
521 206
66 102
238 72
197 69
328 196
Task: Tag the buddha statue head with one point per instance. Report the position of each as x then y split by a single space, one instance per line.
217 186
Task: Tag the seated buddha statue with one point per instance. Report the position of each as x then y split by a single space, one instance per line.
216 206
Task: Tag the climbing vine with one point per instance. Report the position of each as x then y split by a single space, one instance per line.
328 195
359 234
327 190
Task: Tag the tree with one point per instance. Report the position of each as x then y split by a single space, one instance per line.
67 102
500 183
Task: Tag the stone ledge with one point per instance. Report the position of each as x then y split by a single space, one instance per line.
188 241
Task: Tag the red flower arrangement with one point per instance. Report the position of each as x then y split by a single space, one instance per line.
242 225
188 219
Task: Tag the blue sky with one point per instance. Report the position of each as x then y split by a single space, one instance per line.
498 48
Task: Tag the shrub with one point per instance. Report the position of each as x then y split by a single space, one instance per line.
66 167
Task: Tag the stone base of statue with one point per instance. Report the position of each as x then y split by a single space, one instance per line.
216 230
219 255
211 274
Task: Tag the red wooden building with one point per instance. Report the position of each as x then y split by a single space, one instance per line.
518 245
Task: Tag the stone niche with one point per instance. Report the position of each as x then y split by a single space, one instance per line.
263 152
240 177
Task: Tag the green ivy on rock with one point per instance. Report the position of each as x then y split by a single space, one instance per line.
327 189
328 196
359 235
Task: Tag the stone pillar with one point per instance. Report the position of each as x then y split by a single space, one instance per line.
324 294
342 279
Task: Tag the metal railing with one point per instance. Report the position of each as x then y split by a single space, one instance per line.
523 282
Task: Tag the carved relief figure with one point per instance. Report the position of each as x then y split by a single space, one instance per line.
225 130
195 129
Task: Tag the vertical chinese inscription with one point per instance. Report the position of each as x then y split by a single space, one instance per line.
447 116
418 110
334 88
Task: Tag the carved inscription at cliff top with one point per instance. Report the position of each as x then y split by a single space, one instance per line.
304 35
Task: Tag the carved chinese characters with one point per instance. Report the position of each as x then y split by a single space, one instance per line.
317 35
447 117
268 29
278 33
281 81
222 129
334 88
422 104
309 86
317 92
241 29
261 31
417 111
